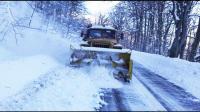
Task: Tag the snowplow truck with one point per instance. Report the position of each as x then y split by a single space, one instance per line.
101 46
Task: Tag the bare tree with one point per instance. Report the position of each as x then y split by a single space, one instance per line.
102 19
195 44
67 15
160 6
180 12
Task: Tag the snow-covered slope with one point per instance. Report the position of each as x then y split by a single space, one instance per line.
15 74
180 72
40 38
33 72
5 54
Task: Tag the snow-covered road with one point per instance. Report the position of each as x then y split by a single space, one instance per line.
133 96
115 100
170 96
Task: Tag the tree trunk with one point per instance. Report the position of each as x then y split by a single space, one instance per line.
173 52
195 44
182 10
185 22
165 36
160 26
182 50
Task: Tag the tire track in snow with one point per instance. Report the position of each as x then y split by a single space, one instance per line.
171 96
115 100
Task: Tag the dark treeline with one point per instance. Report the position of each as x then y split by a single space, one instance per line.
160 27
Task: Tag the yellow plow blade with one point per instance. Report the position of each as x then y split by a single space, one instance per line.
119 59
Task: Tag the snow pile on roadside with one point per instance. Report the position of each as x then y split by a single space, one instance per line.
15 74
5 54
60 90
180 72
41 83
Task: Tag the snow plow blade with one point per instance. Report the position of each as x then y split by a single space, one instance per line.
119 59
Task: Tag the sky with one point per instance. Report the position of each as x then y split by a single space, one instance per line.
94 8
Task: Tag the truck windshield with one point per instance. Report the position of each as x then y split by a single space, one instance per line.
99 33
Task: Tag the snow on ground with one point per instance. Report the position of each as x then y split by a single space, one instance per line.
63 89
101 76
5 54
15 74
60 87
69 89
180 72
73 90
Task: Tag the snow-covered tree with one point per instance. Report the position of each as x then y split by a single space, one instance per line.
68 15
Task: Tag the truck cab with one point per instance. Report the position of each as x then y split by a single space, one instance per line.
101 36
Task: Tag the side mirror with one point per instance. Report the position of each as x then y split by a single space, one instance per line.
122 36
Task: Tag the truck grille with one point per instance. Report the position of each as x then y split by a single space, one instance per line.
100 45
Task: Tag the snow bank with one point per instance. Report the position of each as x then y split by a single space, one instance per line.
62 89
5 54
180 72
66 92
16 74
40 38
